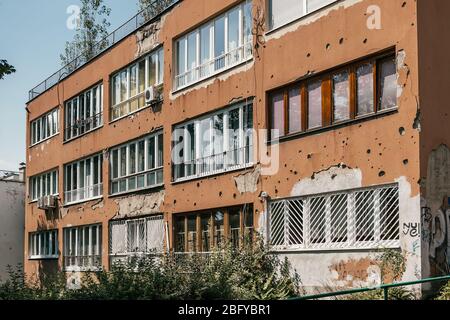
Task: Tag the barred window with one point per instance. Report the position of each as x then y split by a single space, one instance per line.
358 219
83 248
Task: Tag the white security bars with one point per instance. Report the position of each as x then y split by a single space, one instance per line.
83 180
282 12
214 144
43 245
42 185
360 219
45 127
83 248
137 165
83 113
136 237
215 46
128 85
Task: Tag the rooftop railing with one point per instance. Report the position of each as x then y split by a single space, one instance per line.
154 10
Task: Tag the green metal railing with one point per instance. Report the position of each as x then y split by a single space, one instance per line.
384 287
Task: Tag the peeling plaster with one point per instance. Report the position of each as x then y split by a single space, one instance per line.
147 38
293 26
248 182
336 178
137 205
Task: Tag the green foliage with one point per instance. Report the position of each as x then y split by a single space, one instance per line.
5 69
92 28
399 293
151 8
444 294
392 264
248 273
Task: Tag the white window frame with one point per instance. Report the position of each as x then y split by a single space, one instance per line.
73 127
89 259
43 180
242 159
148 174
279 208
119 237
38 244
158 55
306 12
38 127
216 64
91 189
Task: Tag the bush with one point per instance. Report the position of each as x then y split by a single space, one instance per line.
444 294
248 273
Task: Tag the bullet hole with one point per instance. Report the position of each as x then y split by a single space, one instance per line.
369 151
285 165
402 131
333 176
328 46
198 185
341 40
365 40
276 191
405 162
174 201
381 174
220 193
309 156
344 166
234 195
271 77
380 154
195 204
404 4
295 172
308 55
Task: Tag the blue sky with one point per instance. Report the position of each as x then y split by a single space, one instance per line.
32 35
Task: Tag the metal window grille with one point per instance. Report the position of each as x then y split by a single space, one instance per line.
358 219
136 237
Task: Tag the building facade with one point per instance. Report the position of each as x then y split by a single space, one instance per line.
12 213
320 124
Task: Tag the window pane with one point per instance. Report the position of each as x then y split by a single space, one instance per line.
123 86
152 70
181 53
341 96
205 136
160 66
132 159
115 163
123 161
192 234
151 153
219 37
192 51
218 228
248 22
141 156
338 218
235 227
294 110
314 5
365 220
233 29
141 76
133 81
179 234
116 89
388 84
365 89
284 11
317 218
315 104
205 44
206 233
160 150
277 115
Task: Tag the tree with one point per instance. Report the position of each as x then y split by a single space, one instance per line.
5 69
92 28
152 8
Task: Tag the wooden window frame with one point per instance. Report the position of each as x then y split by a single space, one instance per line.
326 77
213 242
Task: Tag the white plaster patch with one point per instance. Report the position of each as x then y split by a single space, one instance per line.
310 19
334 179
137 205
248 182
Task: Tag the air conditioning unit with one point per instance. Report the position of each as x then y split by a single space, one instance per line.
151 95
47 202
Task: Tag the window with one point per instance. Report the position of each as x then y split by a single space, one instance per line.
42 185
83 179
354 91
83 248
136 237
202 231
214 144
217 45
138 164
282 12
83 113
44 127
43 245
357 219
128 85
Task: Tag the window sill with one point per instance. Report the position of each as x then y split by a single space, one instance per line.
34 258
379 247
81 201
217 173
36 201
216 74
334 126
42 141
157 186
82 135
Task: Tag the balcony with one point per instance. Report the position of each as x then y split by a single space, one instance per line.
83 194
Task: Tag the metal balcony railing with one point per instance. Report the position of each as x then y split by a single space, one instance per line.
152 11
84 193
214 66
83 126
89 262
